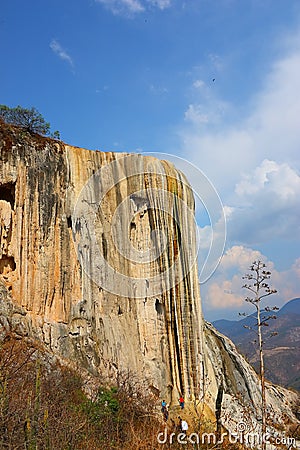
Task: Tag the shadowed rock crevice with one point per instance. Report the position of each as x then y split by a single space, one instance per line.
7 193
7 264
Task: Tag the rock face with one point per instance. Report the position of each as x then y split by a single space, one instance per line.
102 261
241 400
98 260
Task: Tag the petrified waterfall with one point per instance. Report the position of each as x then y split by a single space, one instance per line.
99 251
98 261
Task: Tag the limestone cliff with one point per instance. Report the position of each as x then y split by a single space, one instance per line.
120 312
98 260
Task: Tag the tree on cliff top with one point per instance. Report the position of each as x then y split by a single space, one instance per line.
28 119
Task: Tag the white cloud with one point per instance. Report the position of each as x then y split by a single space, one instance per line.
216 62
232 143
296 267
161 4
226 292
226 289
221 295
210 240
253 161
61 52
240 257
194 115
277 108
271 177
158 90
199 113
120 6
132 7
198 84
266 204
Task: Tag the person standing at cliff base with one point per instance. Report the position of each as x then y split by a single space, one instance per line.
181 402
164 410
184 426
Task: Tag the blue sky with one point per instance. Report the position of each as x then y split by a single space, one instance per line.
214 82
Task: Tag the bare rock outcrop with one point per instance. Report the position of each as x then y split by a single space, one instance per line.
241 396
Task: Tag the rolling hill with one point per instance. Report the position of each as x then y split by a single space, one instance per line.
282 352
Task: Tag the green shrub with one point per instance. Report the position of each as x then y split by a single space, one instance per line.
28 119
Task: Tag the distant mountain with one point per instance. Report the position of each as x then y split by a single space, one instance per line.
291 307
281 351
